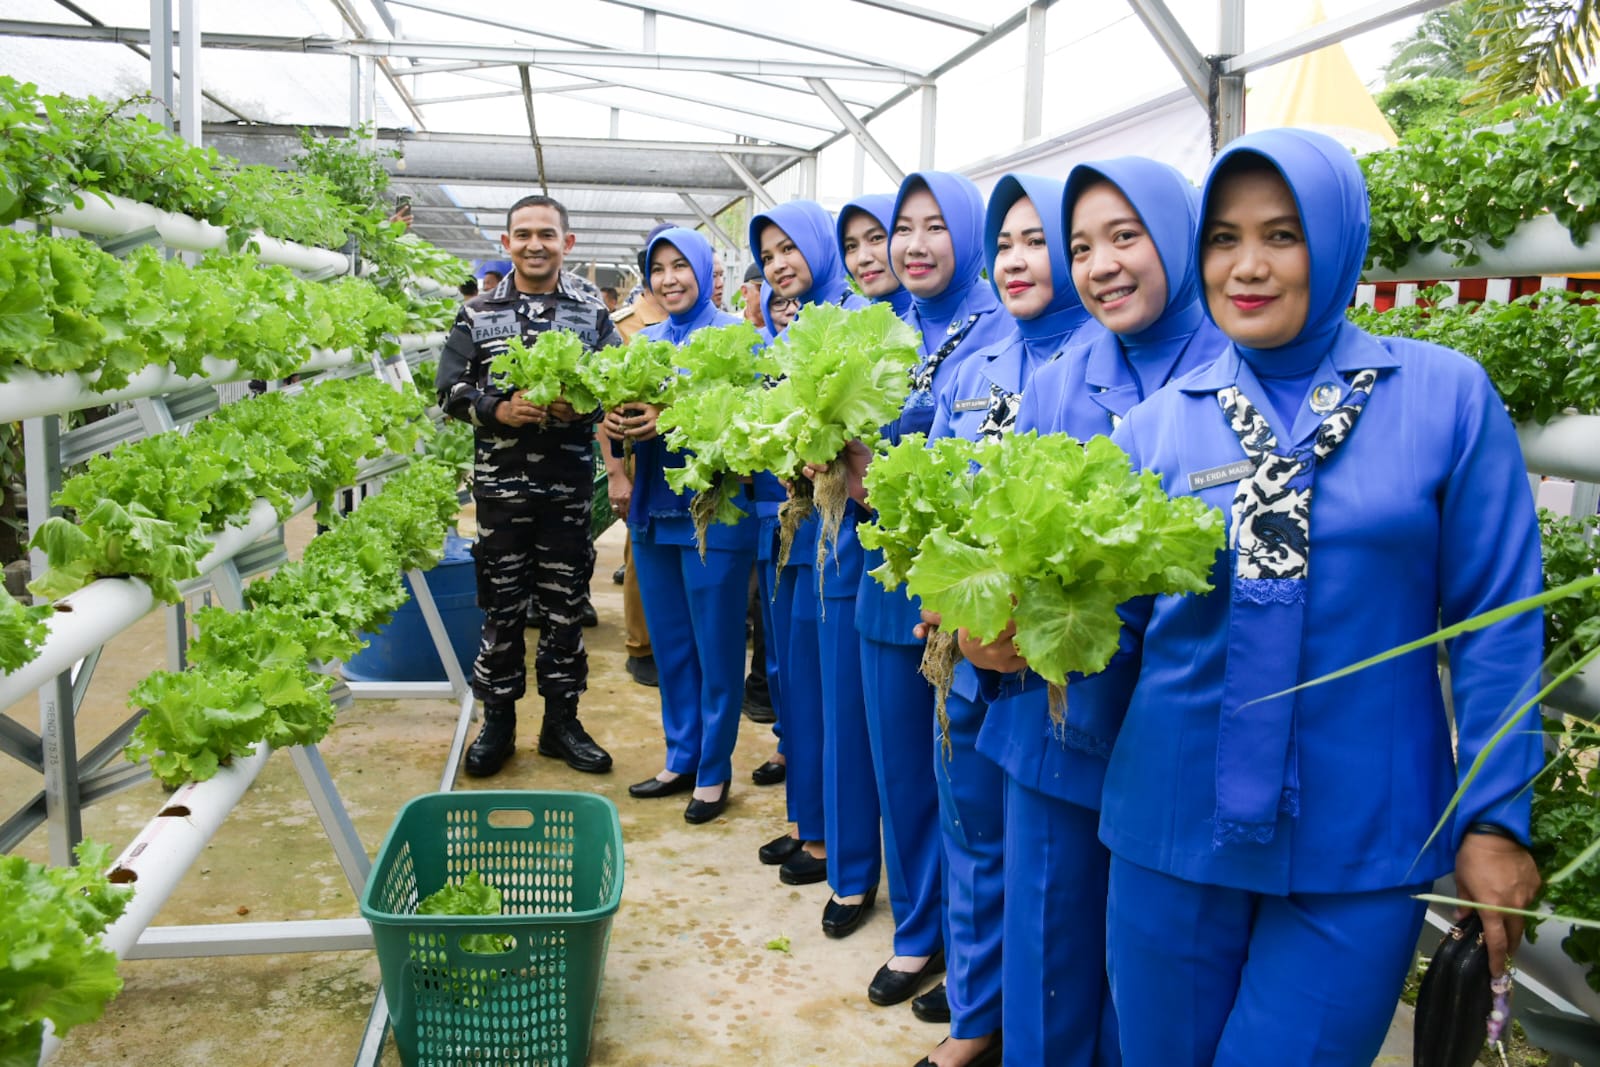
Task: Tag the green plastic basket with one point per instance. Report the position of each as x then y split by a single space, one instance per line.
557 860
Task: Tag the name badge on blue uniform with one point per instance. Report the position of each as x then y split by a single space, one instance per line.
977 403
1230 472
493 324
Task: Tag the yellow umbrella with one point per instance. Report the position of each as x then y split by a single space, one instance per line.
1318 91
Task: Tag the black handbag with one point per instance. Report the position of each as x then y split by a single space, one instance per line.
1454 1002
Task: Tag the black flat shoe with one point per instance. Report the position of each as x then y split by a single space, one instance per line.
803 868
895 987
642 669
770 773
841 920
587 617
700 811
778 850
933 1006
651 788
989 1057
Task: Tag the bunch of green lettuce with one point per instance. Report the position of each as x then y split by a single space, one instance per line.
1048 531
52 965
546 372
473 896
636 371
22 631
836 376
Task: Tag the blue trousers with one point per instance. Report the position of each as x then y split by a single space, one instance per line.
1205 975
899 705
698 610
1057 1005
777 632
972 823
849 787
800 667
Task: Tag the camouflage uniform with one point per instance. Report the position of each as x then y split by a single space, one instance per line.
534 486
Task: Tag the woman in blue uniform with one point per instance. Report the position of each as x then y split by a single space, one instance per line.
702 603
794 243
1265 852
935 249
1129 235
1028 270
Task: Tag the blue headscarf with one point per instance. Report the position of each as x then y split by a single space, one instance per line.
697 250
769 331
881 207
808 224
961 204
1331 196
1044 333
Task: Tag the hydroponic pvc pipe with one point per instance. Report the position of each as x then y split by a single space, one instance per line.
1539 246
1568 446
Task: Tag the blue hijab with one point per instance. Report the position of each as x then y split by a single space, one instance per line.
1169 207
1331 196
697 250
881 207
808 224
962 206
1045 332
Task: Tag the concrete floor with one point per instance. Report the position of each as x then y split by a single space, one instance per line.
689 978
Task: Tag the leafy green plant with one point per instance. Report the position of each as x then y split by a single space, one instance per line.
22 632
250 677
52 965
1470 183
546 372
1542 351
836 376
145 509
473 896
1045 531
636 371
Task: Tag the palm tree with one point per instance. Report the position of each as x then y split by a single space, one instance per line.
1444 45
1541 48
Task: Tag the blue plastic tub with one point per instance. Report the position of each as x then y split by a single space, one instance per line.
402 651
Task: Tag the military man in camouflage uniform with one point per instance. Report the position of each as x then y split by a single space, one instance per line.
533 483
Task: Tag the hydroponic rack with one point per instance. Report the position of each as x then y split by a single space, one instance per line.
158 401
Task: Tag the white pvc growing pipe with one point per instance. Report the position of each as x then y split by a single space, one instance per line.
161 855
1568 446
100 610
1540 246
116 216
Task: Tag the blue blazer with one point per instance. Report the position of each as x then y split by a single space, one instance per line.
1422 517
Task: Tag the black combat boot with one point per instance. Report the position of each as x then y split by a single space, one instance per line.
496 741
564 737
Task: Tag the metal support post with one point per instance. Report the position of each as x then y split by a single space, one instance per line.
858 172
751 182
1227 108
63 807
1033 74
41 449
1177 46
161 61
336 822
857 129
930 121
710 223
355 91
808 178
649 42
616 123
190 88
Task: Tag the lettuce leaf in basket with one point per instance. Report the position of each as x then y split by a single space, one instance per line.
473 896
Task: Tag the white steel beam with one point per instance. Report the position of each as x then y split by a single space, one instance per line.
652 9
1177 46
930 125
459 50
709 222
161 87
1329 32
533 128
1227 110
189 43
901 7
1033 74
856 127
751 182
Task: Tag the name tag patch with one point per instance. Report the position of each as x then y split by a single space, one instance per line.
1230 472
979 403
494 324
